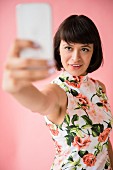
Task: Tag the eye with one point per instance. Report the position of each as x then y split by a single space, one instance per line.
85 49
68 48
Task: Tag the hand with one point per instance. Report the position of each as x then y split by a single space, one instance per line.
19 72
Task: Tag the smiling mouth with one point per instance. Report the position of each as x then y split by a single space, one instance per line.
76 65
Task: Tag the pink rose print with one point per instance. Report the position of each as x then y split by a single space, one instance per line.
53 129
76 83
73 84
57 147
104 102
89 159
95 114
83 101
93 80
81 143
103 136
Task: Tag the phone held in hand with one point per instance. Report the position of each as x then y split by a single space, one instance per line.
34 22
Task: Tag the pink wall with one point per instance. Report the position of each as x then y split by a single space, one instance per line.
25 143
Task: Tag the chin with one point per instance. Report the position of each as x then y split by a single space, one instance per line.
73 73
76 73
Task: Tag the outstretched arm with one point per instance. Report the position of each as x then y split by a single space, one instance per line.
19 76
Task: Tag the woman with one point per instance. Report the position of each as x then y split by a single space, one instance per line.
75 107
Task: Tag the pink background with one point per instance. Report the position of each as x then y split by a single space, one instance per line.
25 142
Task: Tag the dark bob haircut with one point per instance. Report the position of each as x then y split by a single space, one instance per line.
79 29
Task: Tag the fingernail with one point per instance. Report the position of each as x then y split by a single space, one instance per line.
51 71
36 45
51 62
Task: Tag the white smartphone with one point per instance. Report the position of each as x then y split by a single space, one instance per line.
34 22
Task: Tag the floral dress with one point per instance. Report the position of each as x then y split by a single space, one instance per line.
81 140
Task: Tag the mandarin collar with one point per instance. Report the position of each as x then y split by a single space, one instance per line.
76 78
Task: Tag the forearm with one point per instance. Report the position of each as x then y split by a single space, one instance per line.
20 73
31 98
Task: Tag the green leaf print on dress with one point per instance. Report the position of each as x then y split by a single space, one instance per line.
81 140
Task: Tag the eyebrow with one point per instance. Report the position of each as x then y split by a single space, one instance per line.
71 44
86 45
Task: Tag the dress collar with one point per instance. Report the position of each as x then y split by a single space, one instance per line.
74 81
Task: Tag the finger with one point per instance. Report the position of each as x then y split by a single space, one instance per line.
31 75
20 63
20 44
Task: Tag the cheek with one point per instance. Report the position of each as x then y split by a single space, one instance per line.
65 60
64 57
88 60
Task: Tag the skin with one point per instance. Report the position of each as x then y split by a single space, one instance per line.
18 78
76 57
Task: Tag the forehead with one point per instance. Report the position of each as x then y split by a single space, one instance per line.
63 43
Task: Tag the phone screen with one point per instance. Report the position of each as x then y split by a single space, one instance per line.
34 22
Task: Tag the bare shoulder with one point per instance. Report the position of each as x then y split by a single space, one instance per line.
57 101
102 85
55 90
55 95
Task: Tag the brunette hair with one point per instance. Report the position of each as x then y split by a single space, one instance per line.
79 29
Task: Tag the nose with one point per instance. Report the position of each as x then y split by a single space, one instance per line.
76 55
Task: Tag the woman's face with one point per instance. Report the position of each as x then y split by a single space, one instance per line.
75 57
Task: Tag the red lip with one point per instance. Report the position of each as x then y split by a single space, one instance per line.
75 66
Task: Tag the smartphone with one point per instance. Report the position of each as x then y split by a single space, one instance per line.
34 22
